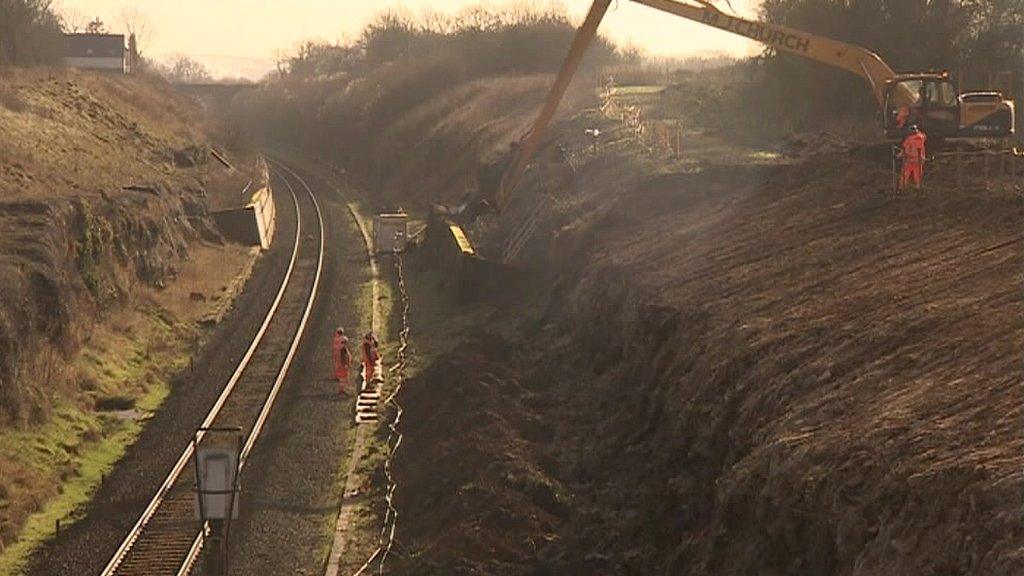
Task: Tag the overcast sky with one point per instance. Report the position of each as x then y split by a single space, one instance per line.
263 29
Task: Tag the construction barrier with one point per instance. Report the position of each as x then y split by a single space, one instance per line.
654 134
999 162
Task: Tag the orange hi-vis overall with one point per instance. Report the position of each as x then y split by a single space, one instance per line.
342 359
370 356
913 151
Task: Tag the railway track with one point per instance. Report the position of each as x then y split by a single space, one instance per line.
167 539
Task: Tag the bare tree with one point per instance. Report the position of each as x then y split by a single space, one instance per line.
435 22
137 24
95 26
282 62
73 20
187 71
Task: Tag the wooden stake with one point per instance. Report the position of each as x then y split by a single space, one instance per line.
893 172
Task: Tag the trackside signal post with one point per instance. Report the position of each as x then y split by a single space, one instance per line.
217 490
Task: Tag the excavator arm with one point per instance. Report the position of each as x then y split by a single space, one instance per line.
854 59
527 147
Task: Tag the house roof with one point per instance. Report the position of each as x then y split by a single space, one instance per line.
94 45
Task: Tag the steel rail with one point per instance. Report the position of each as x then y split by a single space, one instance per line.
265 412
197 544
183 461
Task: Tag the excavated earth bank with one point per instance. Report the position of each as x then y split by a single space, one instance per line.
99 191
760 370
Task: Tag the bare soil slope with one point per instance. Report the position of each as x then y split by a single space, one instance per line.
773 370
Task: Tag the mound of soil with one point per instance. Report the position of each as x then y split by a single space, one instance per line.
507 504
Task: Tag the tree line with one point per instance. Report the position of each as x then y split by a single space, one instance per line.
973 39
339 95
30 33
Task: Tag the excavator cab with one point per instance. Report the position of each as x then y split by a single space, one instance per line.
930 101
926 100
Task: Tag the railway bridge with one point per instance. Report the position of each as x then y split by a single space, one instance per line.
215 97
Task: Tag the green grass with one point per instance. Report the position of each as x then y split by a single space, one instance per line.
79 444
127 361
363 300
91 462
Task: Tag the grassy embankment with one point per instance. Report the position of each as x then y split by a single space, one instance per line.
96 317
129 361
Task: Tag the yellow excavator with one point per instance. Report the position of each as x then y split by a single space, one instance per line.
927 100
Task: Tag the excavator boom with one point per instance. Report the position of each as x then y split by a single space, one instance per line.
528 146
855 59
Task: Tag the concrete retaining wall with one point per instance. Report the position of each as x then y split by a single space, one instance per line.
265 214
255 223
252 225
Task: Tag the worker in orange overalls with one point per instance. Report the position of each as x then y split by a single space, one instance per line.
913 153
371 354
342 358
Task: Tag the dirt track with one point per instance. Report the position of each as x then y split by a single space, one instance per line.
776 370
